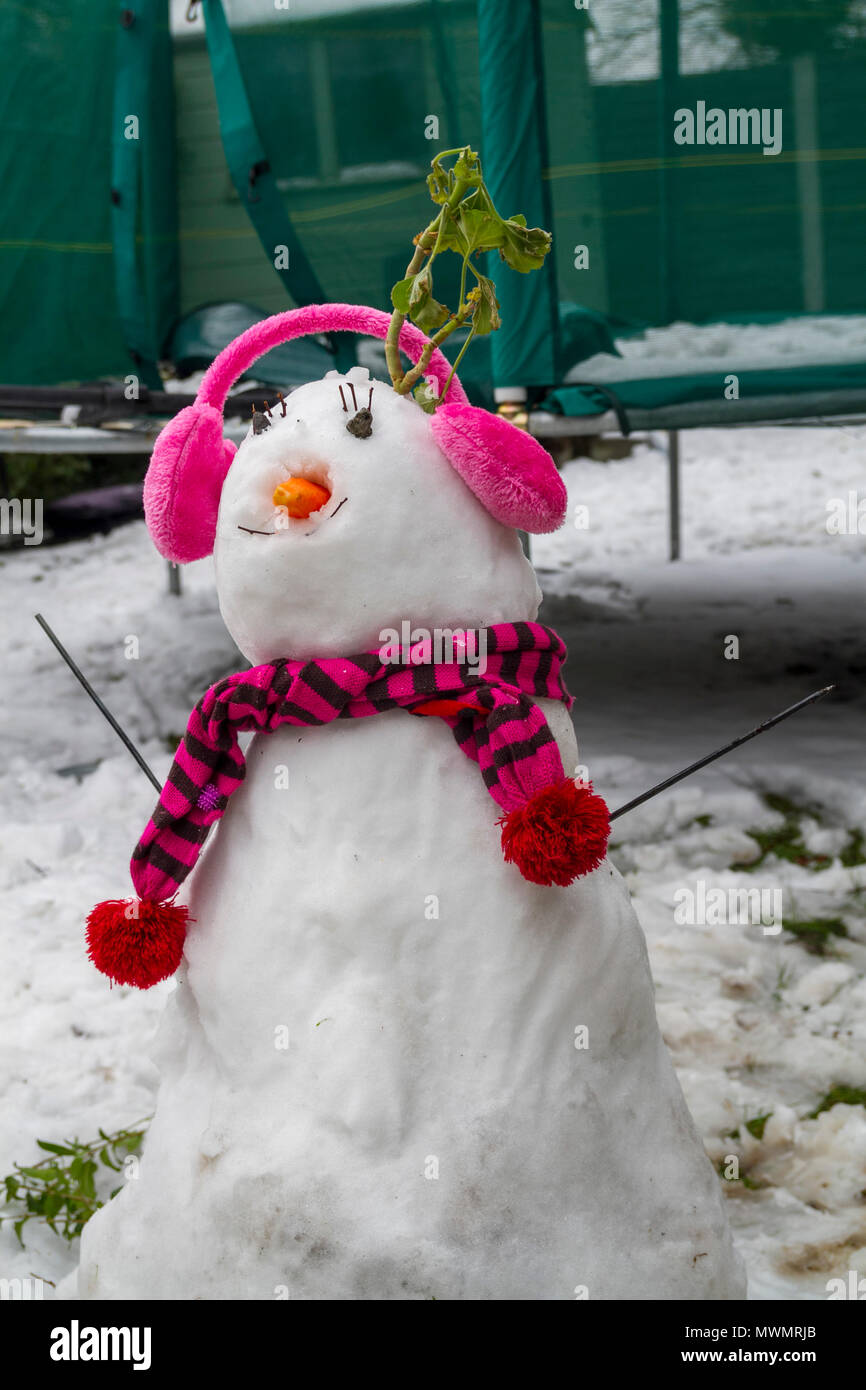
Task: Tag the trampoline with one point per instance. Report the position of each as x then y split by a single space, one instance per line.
173 171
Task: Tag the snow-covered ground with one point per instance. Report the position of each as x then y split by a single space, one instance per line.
813 340
758 1024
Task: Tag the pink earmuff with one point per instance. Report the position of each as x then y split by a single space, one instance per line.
509 472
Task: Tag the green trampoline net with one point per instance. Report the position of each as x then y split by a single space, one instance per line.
695 161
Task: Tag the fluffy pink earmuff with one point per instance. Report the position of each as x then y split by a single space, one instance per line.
508 470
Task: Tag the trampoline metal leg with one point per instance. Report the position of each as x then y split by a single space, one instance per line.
674 492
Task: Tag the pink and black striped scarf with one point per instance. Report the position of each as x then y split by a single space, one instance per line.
493 717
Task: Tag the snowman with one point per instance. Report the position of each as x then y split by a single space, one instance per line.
412 1052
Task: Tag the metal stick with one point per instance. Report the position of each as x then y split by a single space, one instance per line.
720 752
80 676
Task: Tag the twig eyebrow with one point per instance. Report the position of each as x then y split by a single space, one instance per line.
343 399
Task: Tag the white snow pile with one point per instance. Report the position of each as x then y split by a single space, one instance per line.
763 1024
679 349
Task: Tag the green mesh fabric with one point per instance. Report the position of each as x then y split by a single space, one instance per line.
57 300
343 97
88 285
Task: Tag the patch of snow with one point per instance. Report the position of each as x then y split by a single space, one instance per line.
756 1023
685 348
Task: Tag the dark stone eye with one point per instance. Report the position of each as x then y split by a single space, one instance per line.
361 425
260 422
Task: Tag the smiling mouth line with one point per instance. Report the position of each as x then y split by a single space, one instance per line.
251 532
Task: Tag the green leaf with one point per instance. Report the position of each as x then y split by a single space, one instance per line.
88 1186
467 167
424 310
480 201
17 1229
430 315
479 230
524 248
420 288
439 184
426 393
63 1193
52 1205
400 294
485 316
413 296
448 236
757 1125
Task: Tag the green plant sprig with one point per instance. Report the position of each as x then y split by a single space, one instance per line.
61 1189
467 223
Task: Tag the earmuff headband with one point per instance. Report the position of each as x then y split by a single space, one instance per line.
507 470
239 356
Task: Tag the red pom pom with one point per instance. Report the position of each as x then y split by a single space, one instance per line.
136 943
560 834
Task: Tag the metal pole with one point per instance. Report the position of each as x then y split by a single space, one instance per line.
674 491
808 138
720 752
668 87
174 579
103 709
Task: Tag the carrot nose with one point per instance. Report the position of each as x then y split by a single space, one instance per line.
300 496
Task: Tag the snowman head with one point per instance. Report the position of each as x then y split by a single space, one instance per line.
348 510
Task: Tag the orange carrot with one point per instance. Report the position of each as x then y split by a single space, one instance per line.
300 496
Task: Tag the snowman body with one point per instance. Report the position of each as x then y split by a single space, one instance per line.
393 1068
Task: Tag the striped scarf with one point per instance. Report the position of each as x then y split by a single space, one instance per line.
492 715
